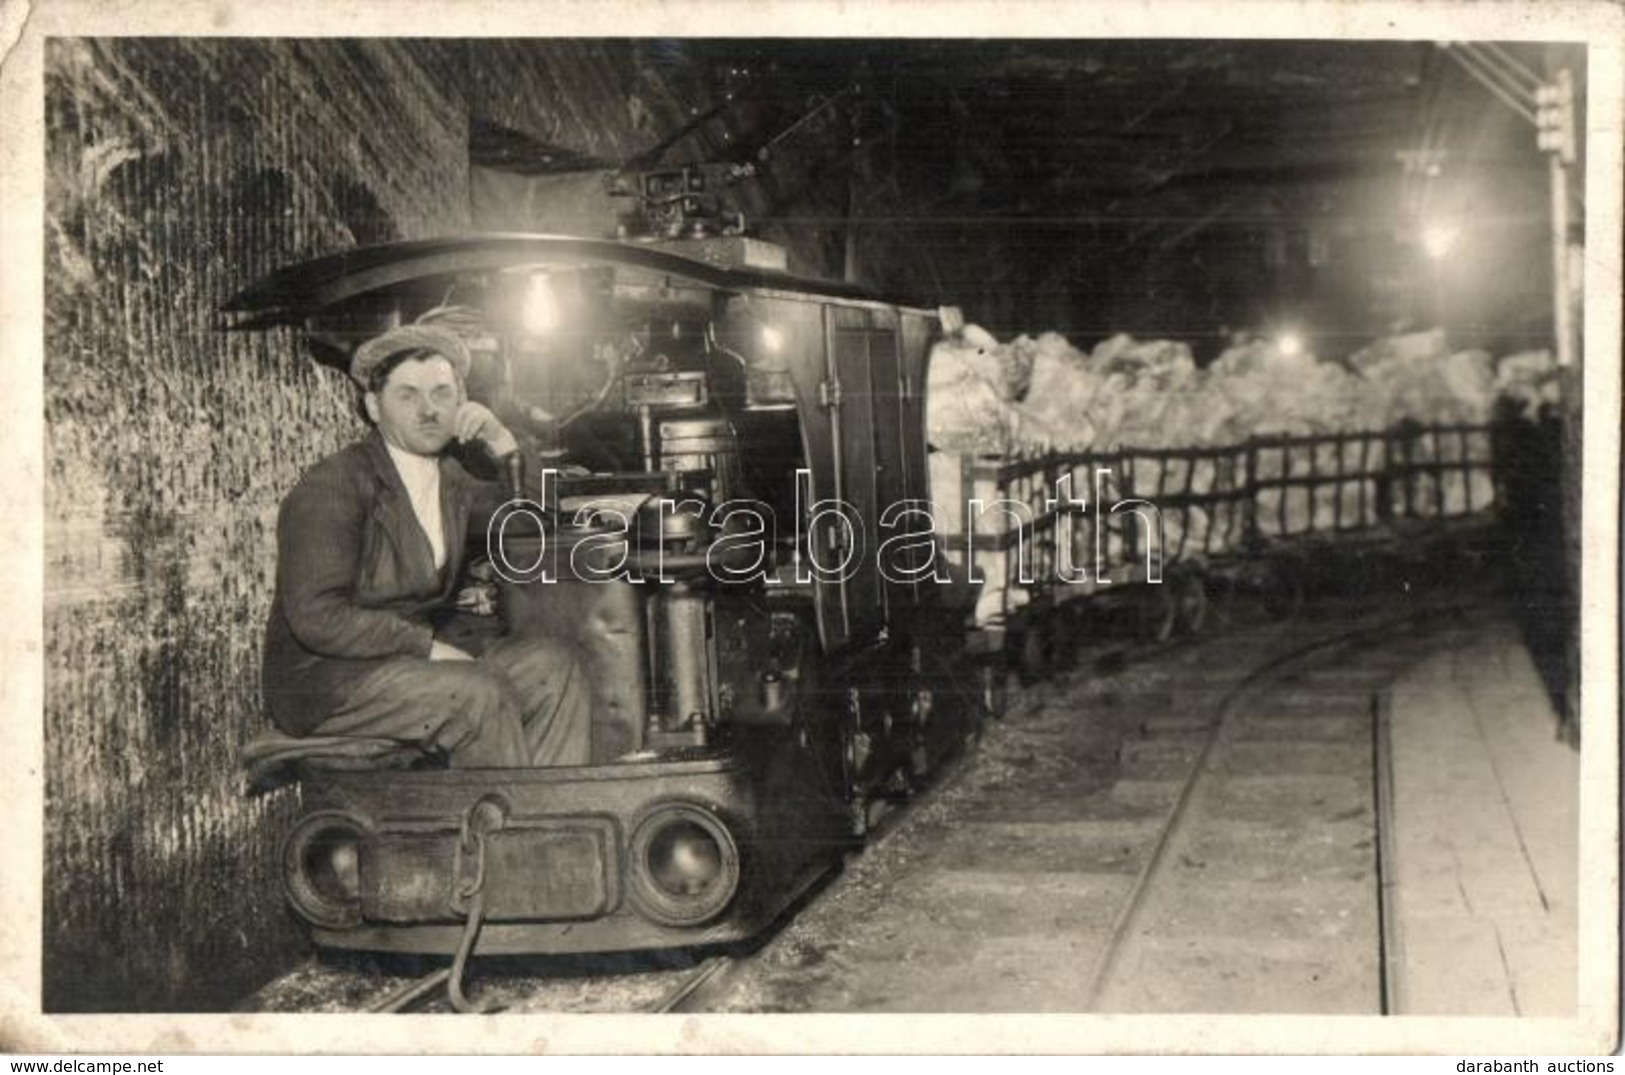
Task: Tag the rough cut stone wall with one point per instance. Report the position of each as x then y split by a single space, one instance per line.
177 173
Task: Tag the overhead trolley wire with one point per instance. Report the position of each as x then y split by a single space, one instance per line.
1513 65
1483 71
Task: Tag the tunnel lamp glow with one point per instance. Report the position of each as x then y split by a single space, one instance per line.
541 310
1437 240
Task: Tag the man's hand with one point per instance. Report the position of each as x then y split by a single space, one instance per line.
474 421
445 651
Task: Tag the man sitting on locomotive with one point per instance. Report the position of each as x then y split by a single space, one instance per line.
369 547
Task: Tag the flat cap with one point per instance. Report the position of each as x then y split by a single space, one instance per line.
431 339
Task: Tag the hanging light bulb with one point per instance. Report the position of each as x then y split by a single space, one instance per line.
541 310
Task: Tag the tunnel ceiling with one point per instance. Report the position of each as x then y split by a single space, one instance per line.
1047 127
1023 124
1009 170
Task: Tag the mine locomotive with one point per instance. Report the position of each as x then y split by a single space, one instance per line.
753 704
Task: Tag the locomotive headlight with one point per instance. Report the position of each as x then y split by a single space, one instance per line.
772 339
541 309
683 865
321 869
684 859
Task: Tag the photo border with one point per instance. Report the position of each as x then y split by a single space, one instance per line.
23 1028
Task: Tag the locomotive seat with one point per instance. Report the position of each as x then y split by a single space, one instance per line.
271 757
602 621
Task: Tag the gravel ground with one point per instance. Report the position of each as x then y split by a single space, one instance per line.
1028 830
998 892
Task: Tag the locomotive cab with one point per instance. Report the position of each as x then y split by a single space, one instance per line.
708 455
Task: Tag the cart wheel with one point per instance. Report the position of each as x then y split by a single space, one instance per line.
1159 611
857 749
1060 640
993 679
1226 592
1191 595
857 818
1283 590
1032 652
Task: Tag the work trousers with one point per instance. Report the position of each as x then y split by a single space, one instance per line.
523 702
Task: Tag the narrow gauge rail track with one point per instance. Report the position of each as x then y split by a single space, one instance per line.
1256 882
1214 758
1254 761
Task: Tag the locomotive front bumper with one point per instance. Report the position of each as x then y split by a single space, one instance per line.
569 860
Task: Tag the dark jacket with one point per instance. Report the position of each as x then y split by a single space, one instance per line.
355 577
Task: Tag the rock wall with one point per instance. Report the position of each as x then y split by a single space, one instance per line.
178 171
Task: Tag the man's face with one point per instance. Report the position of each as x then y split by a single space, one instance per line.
416 408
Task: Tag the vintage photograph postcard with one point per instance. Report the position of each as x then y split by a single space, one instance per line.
922 527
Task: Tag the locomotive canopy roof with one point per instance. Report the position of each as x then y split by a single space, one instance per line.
295 293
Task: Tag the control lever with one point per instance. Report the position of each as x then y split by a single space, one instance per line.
513 474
